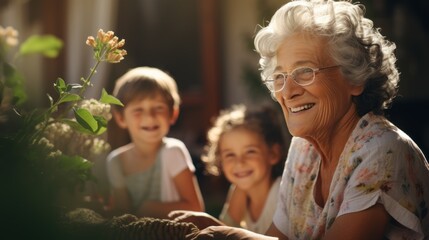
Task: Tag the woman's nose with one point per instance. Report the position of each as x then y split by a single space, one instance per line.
290 89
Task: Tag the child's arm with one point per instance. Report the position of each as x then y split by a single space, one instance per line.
121 202
234 207
190 198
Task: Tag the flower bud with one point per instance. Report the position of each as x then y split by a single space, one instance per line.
91 41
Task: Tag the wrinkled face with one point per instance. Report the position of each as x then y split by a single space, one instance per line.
313 110
245 158
148 120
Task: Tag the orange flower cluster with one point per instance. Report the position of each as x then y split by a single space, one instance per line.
107 46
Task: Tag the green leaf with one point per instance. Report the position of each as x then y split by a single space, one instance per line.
60 86
85 119
72 171
109 99
47 45
102 125
75 164
69 97
19 95
15 81
100 131
76 126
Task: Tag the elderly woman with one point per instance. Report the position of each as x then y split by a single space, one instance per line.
350 173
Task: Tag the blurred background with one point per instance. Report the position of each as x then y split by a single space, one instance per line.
207 46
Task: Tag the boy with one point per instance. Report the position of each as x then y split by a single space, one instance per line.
153 174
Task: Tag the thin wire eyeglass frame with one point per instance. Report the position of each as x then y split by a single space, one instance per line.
269 82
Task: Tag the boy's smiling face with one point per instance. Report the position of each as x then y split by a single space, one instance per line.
147 119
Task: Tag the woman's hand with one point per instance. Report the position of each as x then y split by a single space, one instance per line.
199 219
227 233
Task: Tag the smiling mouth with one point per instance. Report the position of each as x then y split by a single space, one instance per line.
243 174
302 108
150 128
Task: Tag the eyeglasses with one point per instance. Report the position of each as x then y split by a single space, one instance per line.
302 76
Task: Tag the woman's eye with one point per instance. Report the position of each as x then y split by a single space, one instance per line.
305 70
278 77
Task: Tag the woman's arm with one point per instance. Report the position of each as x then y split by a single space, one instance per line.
228 233
274 232
368 224
199 219
190 198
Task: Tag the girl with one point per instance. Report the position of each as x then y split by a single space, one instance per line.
247 147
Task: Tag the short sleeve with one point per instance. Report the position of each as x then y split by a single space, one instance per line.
114 170
176 157
390 171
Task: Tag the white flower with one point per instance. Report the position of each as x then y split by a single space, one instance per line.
9 35
97 108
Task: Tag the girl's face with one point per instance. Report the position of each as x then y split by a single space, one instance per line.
246 159
313 110
148 120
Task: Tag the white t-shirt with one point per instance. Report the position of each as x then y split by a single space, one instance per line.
379 164
264 221
174 157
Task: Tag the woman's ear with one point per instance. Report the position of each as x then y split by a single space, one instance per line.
357 90
275 154
119 118
174 115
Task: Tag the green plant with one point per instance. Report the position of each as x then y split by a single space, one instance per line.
37 169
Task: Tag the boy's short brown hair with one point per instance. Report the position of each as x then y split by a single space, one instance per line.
142 82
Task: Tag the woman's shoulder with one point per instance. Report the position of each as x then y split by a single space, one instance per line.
301 150
377 142
377 132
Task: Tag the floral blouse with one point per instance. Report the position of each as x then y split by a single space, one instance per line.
379 164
